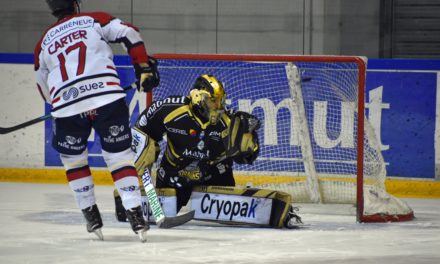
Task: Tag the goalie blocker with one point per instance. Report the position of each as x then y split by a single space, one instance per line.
232 205
145 148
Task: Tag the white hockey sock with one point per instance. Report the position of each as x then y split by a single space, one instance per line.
129 190
84 192
124 176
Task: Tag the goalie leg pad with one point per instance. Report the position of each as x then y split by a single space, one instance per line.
232 205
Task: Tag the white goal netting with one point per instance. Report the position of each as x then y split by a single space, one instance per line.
309 108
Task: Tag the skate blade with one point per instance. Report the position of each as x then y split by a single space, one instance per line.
143 236
98 233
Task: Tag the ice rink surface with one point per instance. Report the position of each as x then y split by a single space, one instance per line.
40 224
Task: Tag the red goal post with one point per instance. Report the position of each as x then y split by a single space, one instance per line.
316 143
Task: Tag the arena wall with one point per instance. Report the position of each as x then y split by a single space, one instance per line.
403 105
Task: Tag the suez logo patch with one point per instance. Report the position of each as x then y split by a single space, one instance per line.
73 92
231 208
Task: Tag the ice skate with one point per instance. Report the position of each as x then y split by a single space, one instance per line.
94 221
137 222
121 216
292 220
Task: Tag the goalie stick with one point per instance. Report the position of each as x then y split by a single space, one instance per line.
6 130
162 221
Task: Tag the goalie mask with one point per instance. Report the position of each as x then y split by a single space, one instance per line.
61 8
208 98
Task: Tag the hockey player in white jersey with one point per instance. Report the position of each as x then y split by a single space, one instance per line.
76 74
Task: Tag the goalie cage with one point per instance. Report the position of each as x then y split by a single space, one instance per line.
316 143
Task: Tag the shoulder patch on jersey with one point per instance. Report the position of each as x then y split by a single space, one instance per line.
174 101
102 17
143 121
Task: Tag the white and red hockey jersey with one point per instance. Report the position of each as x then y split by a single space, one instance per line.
74 62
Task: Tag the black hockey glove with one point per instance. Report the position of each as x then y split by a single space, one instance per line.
147 75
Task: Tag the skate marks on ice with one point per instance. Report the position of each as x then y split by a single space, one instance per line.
60 210
112 230
40 224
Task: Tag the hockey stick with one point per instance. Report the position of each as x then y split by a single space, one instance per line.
162 221
6 130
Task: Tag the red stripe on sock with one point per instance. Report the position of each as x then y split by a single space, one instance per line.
123 172
78 174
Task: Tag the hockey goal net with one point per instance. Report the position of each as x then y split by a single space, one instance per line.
316 143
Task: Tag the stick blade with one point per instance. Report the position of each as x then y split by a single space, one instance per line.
4 130
170 222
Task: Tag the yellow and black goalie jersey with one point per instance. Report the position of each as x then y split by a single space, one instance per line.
190 137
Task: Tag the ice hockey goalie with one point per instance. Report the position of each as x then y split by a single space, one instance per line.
203 140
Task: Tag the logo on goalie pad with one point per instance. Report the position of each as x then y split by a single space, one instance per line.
168 204
231 208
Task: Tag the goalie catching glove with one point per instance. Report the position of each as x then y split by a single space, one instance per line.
147 75
241 139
